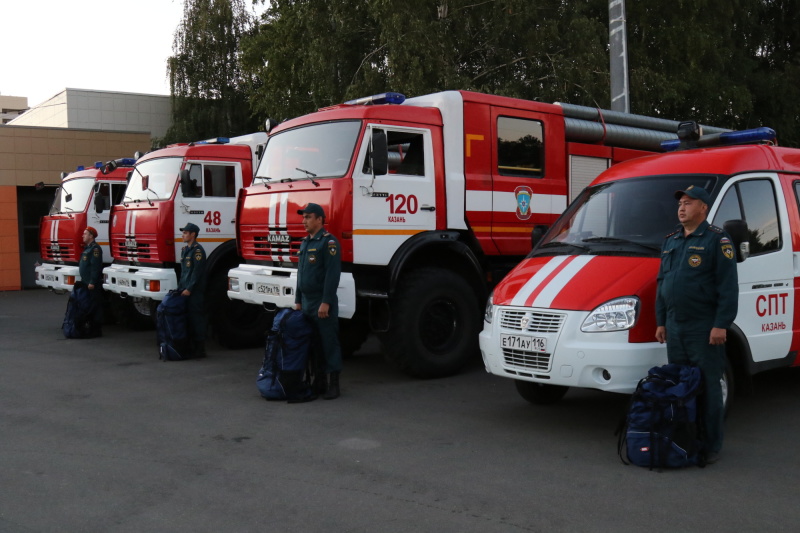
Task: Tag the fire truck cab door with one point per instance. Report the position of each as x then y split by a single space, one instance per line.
389 209
208 200
766 278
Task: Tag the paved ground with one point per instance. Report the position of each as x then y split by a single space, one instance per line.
98 435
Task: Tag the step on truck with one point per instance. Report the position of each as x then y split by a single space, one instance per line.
83 198
579 311
432 198
196 182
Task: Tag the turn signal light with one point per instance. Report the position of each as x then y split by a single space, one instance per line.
69 280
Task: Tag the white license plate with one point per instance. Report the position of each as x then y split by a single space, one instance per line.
49 277
122 282
270 289
130 243
524 342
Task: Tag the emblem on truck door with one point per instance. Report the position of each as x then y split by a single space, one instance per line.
523 195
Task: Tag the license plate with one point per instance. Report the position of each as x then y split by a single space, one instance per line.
49 277
124 282
523 342
270 289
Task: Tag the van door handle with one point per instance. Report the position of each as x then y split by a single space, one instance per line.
428 208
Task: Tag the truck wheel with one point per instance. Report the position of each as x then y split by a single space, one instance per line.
540 393
352 335
435 322
236 324
136 313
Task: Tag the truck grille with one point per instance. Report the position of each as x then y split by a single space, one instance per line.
59 251
528 321
263 248
142 252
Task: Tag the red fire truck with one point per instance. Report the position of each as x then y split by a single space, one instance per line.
84 198
432 198
579 311
195 182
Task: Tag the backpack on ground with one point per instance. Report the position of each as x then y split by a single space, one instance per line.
78 317
172 329
284 373
662 427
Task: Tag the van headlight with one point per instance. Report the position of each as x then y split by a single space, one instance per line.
233 284
615 315
488 314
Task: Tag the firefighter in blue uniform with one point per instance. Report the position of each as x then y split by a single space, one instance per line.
90 269
696 302
318 275
193 286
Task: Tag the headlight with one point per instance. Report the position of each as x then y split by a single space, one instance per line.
616 315
487 315
233 284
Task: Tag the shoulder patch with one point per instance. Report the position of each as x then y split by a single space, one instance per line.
97 252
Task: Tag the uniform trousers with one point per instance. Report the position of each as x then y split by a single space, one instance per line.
325 343
688 345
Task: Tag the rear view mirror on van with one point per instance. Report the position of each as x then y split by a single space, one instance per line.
737 229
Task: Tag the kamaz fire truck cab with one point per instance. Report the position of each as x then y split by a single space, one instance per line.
196 182
432 198
579 311
83 198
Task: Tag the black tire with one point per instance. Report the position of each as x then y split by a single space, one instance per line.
352 335
235 323
728 384
136 313
435 321
540 393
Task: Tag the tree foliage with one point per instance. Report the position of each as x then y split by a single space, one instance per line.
730 63
208 87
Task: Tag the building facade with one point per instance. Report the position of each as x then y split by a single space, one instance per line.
75 127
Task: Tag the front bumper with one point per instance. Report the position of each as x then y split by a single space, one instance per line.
55 277
139 282
572 358
276 286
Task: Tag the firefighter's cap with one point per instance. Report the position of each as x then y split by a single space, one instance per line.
92 231
315 209
190 227
698 193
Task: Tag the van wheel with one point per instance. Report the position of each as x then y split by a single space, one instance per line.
540 393
727 384
236 324
434 326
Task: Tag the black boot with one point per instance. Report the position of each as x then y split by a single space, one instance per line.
333 387
320 384
199 349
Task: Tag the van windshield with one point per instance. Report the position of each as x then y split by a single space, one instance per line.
316 151
153 179
72 196
625 217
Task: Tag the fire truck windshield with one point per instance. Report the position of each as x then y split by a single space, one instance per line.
153 179
630 216
310 152
72 196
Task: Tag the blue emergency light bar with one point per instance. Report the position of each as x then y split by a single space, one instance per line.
98 164
80 167
727 138
215 140
127 161
379 99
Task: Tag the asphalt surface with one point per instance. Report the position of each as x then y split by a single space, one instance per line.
98 435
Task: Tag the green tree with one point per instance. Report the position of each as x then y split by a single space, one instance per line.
207 85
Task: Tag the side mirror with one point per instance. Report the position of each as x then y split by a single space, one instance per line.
379 153
186 185
737 229
537 233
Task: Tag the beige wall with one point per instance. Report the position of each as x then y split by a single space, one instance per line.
29 155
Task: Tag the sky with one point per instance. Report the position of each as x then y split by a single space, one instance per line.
47 46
